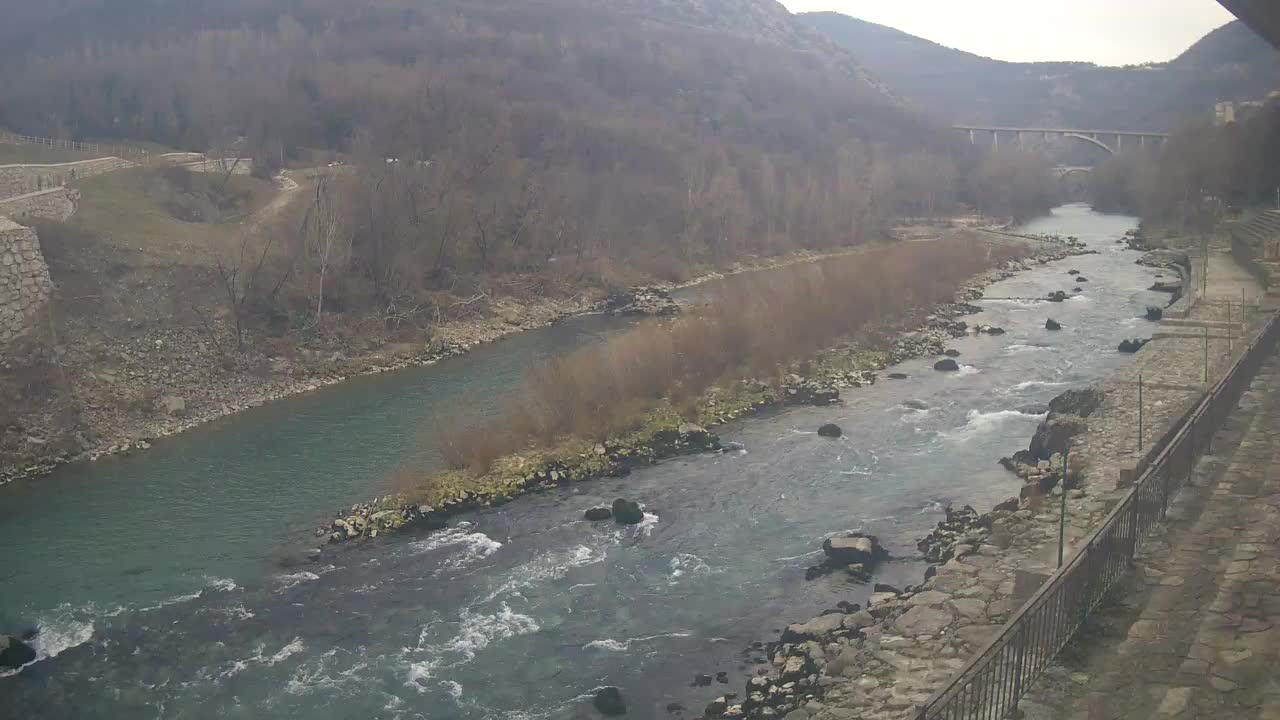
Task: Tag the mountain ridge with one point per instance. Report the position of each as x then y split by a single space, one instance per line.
1228 63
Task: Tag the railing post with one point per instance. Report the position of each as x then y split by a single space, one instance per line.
1062 514
1019 666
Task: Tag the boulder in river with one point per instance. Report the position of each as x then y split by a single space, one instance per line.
1077 290
609 701
14 653
1073 271
897 376
1057 296
1080 402
951 353
915 404
701 680
1131 346
830 430
1052 324
1054 435
627 512
947 365
854 548
597 513
1154 314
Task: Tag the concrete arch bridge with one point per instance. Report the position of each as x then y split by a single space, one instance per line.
1098 138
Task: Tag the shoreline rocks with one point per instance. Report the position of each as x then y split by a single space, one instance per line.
856 553
14 653
1131 346
649 301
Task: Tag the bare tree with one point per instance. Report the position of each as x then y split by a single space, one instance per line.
238 277
327 238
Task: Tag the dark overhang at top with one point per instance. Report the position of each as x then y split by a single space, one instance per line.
1262 16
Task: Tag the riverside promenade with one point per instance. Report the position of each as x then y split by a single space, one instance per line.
1194 630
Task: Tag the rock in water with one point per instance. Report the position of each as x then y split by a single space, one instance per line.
951 352
598 513
1054 435
1154 314
14 653
1081 278
1131 346
915 404
1052 324
1080 402
947 365
1057 296
1073 272
830 430
854 548
608 700
897 376
626 512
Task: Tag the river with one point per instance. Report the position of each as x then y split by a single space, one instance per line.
165 585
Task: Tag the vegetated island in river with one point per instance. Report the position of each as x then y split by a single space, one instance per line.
796 335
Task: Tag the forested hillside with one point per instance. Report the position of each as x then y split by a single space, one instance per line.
526 130
1230 63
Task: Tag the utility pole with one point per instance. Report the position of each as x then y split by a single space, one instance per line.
1062 511
1139 413
1206 354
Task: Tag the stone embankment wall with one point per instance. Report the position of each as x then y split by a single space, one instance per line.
23 179
57 203
24 280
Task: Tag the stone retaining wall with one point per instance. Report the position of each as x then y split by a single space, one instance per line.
24 280
24 179
54 204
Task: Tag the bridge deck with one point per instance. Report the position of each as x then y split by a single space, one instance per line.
1061 131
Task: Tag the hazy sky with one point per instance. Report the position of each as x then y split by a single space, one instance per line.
1108 32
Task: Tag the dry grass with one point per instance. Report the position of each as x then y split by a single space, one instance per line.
136 207
757 325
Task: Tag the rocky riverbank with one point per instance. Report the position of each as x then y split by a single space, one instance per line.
885 661
665 433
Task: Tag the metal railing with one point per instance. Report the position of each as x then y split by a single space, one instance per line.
990 685
124 151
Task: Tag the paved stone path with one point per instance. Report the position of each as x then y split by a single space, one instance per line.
1195 631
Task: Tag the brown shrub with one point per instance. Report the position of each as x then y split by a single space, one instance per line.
757 323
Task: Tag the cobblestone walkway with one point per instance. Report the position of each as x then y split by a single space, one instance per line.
1195 632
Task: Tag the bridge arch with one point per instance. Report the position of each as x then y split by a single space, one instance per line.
1091 140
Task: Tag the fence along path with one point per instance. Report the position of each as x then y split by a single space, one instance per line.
990 685
136 154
